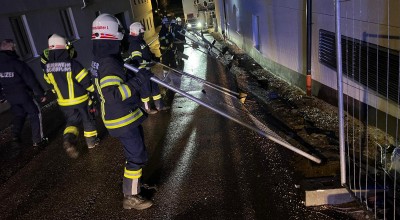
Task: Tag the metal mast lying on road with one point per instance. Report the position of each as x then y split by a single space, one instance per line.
260 132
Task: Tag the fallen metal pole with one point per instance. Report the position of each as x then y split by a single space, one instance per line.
217 87
260 132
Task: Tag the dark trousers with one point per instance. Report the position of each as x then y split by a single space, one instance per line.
168 58
20 111
75 115
134 148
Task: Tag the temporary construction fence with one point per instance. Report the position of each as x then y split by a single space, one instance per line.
368 101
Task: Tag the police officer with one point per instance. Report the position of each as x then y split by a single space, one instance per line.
18 82
140 56
166 43
119 103
71 82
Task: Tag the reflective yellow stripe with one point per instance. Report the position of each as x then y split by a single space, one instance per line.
44 61
157 97
90 88
132 174
110 81
102 100
81 75
71 94
136 54
74 101
55 86
47 79
90 133
146 99
125 91
123 121
71 129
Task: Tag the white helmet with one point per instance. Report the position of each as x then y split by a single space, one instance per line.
136 28
178 20
57 42
107 27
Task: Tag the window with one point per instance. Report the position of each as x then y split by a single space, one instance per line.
25 45
67 18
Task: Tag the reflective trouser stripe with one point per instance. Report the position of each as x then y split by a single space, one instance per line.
132 174
71 129
90 133
157 97
145 99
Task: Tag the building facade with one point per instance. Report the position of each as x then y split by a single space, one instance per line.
274 33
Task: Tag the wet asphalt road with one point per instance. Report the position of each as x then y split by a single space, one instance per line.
201 166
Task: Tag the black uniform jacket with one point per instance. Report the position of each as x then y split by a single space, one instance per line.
70 80
139 52
119 101
17 79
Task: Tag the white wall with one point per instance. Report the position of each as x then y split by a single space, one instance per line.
283 35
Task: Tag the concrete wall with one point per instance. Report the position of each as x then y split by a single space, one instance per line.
282 38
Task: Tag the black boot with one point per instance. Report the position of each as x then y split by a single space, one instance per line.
70 142
137 202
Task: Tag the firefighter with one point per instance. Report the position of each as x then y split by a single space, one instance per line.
72 84
140 57
119 103
166 44
18 82
44 56
180 39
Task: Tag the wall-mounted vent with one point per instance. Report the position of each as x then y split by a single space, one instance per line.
371 65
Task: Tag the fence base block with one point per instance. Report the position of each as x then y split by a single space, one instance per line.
327 197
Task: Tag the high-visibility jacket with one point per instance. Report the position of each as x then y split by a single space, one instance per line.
70 80
118 99
139 52
165 37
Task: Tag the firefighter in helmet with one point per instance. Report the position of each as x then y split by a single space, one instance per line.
72 84
120 110
180 39
166 44
140 56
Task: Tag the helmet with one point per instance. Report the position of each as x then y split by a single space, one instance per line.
173 21
57 42
164 20
136 28
178 20
107 27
